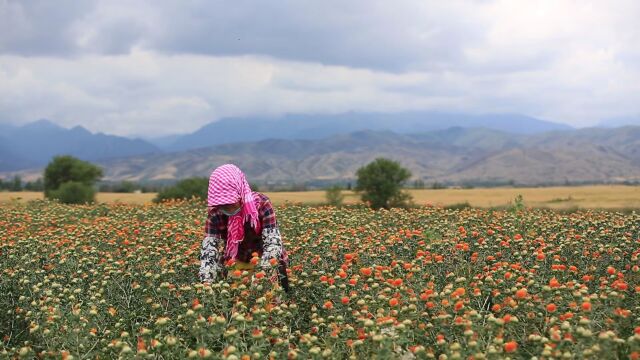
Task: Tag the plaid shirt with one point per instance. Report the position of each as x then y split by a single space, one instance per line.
268 243
216 224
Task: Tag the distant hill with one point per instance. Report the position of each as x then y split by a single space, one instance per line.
621 121
455 156
10 160
34 144
230 130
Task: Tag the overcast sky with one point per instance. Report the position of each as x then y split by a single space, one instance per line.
160 67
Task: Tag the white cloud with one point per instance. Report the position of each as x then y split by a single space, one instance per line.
162 67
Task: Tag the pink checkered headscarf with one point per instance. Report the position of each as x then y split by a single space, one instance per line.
227 185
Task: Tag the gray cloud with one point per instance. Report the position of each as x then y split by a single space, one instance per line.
158 67
40 27
359 33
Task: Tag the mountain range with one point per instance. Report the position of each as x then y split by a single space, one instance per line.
456 155
34 144
305 126
536 153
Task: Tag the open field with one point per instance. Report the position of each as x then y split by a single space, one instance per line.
122 282
110 198
563 197
584 197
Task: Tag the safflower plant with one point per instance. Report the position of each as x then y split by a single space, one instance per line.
120 281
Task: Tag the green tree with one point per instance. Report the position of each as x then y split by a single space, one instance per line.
73 192
381 184
123 187
334 195
66 168
37 185
16 184
185 189
254 187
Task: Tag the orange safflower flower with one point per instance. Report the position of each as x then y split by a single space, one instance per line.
566 316
141 345
510 346
458 292
620 285
195 303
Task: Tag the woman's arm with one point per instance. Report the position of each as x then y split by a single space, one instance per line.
272 247
210 258
210 252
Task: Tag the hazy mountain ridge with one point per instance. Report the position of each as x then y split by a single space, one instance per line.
34 144
454 155
314 127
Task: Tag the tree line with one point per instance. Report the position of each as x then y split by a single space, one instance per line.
74 181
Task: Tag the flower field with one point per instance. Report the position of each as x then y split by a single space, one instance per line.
109 281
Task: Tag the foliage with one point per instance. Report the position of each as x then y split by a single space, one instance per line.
381 184
120 187
436 185
334 195
37 185
518 204
185 189
14 184
66 168
116 281
458 206
73 192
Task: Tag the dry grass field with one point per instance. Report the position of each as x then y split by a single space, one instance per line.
110 198
583 197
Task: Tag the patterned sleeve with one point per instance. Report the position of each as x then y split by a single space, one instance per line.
210 252
210 258
271 240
